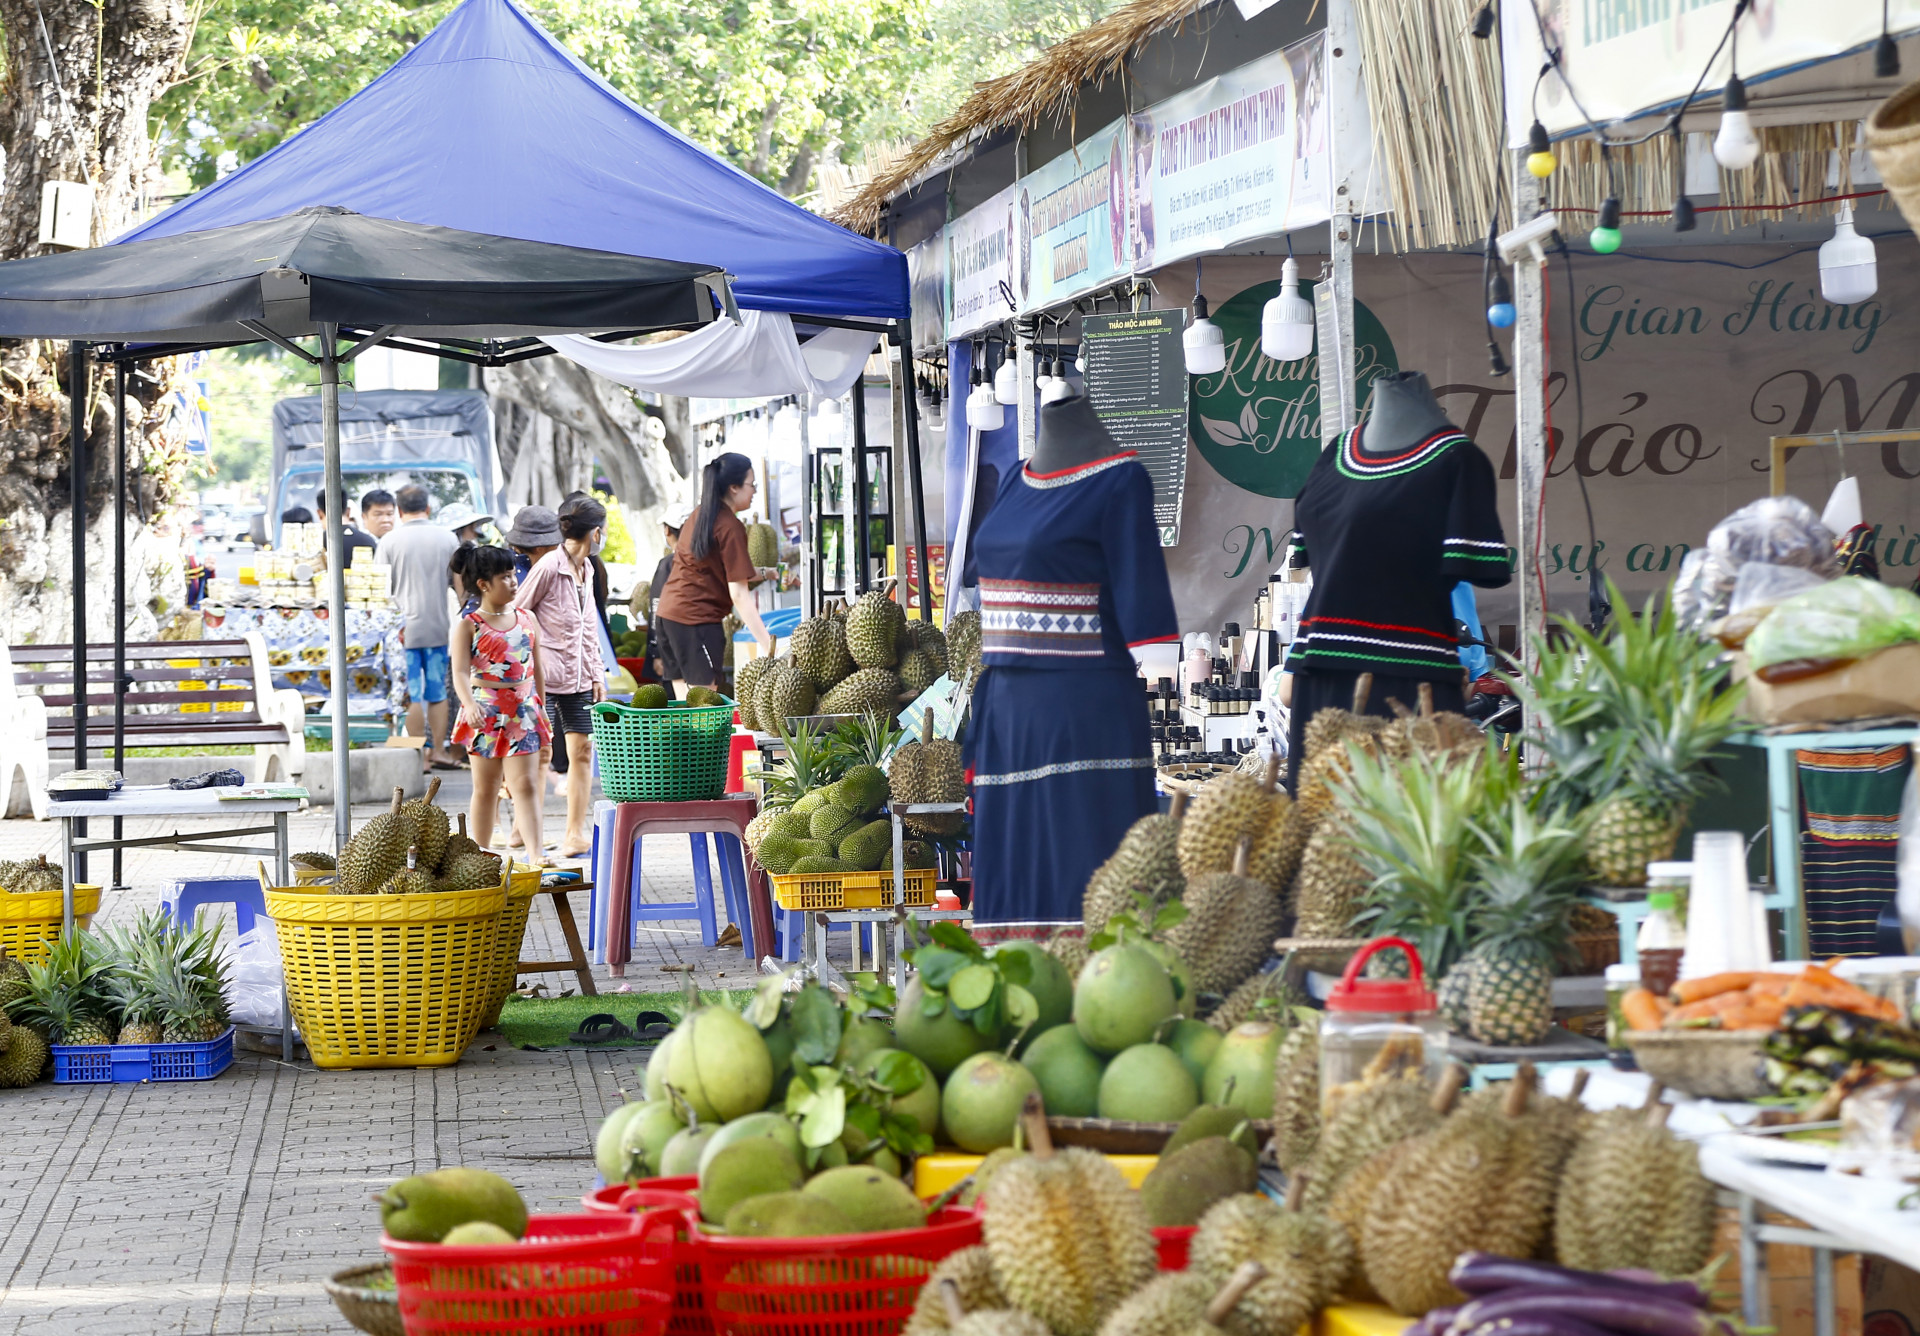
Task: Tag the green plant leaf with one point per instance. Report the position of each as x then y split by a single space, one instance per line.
938 965
933 1003
826 1118
1170 915
1014 966
904 1136
956 938
898 1073
971 987
817 1023
764 1010
987 1016
1101 940
1022 1008
875 995
865 1119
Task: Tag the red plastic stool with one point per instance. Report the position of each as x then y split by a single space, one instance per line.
737 748
725 817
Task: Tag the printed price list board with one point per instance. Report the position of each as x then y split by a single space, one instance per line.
1137 382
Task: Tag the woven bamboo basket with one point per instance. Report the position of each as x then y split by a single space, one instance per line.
1707 1064
376 1312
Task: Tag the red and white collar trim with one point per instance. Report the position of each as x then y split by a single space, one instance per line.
1065 477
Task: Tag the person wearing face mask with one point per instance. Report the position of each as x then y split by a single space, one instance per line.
712 575
558 591
601 588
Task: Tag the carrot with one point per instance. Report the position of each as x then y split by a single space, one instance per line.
1708 1008
1698 990
1641 1010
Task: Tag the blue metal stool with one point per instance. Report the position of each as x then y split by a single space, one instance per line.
243 893
733 880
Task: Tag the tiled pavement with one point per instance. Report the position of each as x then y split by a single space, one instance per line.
217 1207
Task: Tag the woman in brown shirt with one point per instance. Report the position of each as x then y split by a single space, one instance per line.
712 574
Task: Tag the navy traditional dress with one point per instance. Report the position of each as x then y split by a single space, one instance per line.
1071 575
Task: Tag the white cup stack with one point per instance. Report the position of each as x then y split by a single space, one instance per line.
1726 919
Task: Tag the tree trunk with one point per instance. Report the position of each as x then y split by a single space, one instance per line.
79 82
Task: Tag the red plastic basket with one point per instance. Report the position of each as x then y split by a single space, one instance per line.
1173 1241
689 1305
571 1275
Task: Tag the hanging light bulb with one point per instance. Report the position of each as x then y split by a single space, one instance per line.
1605 237
984 412
1006 381
1080 358
1683 218
1540 159
1059 387
1204 342
1735 147
1286 322
936 411
827 408
1500 309
1886 57
1483 21
1848 270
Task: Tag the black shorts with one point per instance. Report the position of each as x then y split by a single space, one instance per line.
570 712
693 654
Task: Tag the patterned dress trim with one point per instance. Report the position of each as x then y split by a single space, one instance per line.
1066 768
1029 617
1066 477
1356 464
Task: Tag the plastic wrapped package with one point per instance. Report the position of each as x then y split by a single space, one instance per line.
1763 585
1844 619
1880 1131
255 981
1775 530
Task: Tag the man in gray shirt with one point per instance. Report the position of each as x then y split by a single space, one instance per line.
418 551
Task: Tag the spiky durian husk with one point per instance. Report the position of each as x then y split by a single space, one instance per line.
1229 929
1296 1097
1324 759
1329 887
745 679
1263 994
873 630
964 646
1001 1322
790 695
1173 1304
1228 808
473 872
431 829
819 649
25 1058
1366 1120
971 1270
1147 862
1069 1238
1306 1255
868 691
312 858
984 1171
930 772
1631 1195
1349 1208
376 851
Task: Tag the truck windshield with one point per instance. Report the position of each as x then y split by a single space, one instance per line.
444 487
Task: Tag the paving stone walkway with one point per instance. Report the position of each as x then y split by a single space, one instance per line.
217 1207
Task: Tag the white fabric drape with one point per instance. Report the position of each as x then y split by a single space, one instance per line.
722 360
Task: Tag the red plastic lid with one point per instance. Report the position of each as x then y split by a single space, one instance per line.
1354 993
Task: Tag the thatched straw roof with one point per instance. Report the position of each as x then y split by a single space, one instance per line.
1047 87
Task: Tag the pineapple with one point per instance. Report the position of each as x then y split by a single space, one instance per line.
808 765
1628 721
66 998
130 984
1527 868
190 983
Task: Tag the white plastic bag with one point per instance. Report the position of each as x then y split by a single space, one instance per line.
1907 859
256 981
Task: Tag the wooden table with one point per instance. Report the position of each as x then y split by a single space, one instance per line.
582 968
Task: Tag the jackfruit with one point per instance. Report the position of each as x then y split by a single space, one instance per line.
862 790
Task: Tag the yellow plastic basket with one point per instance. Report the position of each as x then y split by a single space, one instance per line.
513 930
851 890
388 980
29 924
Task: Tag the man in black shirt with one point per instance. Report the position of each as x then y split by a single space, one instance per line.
355 536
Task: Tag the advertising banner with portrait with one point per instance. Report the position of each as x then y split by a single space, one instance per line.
1072 221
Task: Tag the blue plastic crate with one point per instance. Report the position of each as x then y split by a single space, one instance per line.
121 1064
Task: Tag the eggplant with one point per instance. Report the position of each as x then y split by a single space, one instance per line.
1616 1305
1480 1273
1544 1325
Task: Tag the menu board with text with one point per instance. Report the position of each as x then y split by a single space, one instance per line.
1137 382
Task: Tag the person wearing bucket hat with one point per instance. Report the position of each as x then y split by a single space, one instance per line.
535 532
464 520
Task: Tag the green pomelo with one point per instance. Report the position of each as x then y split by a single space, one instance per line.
606 1142
922 1103
777 1126
1176 968
869 1197
1147 1084
1123 995
1181 1187
943 1042
786 1215
1246 1059
1067 1070
1213 1120
749 1168
863 1035
681 1155
645 1140
720 1065
1047 980
655 1081
886 1160
1196 1042
478 1234
423 1208
981 1104
833 1155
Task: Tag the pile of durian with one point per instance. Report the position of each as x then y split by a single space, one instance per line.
31 876
409 849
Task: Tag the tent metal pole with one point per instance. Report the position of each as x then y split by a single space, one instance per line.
77 476
119 589
903 338
809 536
1529 414
862 575
336 580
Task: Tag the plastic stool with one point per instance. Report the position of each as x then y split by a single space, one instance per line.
737 748
243 893
725 818
600 873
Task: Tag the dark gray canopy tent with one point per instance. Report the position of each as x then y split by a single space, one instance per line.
333 276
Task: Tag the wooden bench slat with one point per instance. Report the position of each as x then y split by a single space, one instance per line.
149 722
104 742
145 649
227 672
104 700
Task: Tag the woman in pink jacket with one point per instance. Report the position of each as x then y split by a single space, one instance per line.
558 591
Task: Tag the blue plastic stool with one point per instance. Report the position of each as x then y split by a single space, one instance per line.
733 881
243 893
789 926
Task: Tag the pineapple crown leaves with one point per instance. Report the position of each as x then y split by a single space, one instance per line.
868 740
1527 867
65 987
811 762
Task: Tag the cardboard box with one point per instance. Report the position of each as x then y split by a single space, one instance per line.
1886 682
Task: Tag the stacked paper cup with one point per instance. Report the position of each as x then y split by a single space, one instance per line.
1726 918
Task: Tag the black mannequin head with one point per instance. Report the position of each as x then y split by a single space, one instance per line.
1403 411
1069 435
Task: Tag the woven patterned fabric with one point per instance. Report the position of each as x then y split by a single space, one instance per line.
1849 841
1028 617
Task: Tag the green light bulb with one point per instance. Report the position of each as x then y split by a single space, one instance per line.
1604 240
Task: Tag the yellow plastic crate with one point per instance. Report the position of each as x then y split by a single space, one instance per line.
851 890
388 980
29 924
1359 1320
525 884
934 1174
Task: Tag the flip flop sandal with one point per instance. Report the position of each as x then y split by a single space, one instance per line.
600 1028
652 1026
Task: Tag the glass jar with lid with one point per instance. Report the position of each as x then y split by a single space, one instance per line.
1380 1027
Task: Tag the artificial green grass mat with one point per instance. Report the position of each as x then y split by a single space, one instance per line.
546 1022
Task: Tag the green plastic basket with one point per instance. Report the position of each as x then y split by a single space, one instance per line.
675 755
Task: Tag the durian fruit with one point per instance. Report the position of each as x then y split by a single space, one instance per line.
1183 1303
1233 806
873 630
1323 754
996 1321
470 872
929 770
1067 1233
459 845
413 879
1306 1258
431 829
33 876
1230 926
1632 1195
1069 947
312 858
1361 1120
745 680
819 649
928 639
377 850
763 709
1462 1187
969 1273
1351 1200
975 1184
1266 994
1146 863
964 647
918 671
788 693
25 1058
1296 1096
868 691
1329 886
13 979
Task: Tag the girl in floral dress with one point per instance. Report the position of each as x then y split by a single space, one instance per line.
496 671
